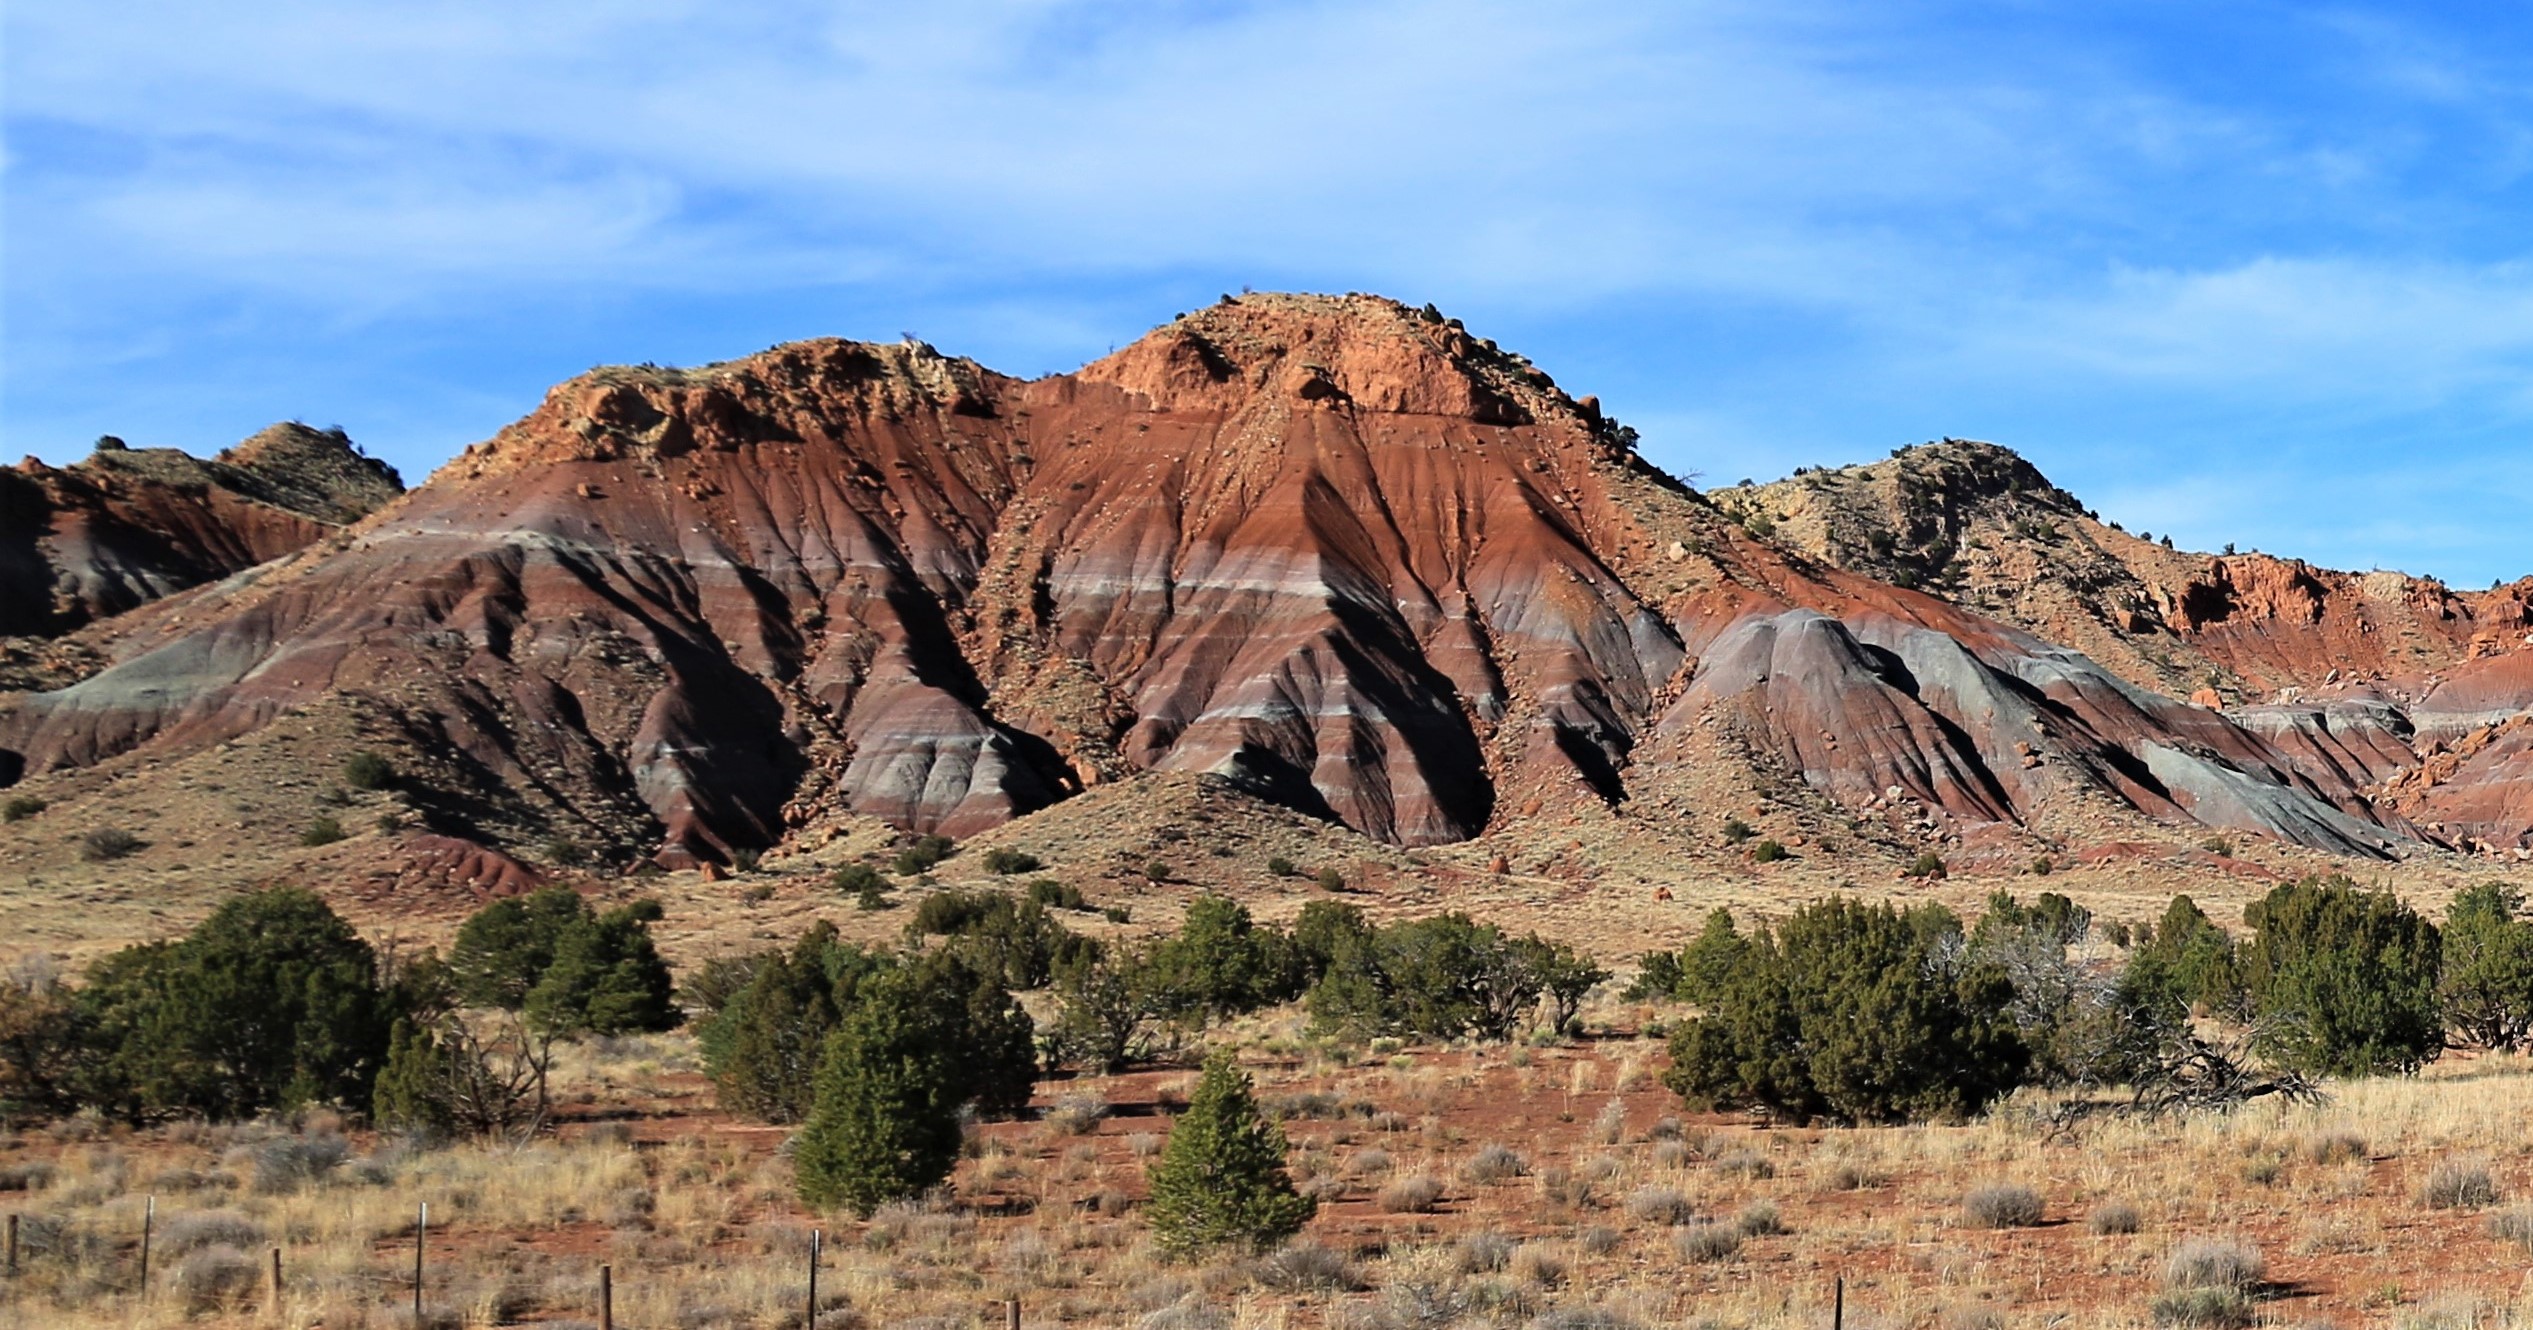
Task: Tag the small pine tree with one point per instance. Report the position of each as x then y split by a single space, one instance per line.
271 1003
2188 958
860 881
607 977
2343 979
368 771
1855 1013
407 1096
774 1031
885 1125
1221 1180
2486 981
1710 960
503 949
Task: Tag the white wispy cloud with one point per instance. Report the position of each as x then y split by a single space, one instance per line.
1824 221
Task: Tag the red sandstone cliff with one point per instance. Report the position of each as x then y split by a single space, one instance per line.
1335 549
128 526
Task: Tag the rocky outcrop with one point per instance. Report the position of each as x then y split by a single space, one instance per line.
2349 681
128 526
1977 524
1336 550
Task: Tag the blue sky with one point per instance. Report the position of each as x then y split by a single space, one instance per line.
2247 272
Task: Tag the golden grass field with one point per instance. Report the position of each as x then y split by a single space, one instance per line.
1617 1210
693 1210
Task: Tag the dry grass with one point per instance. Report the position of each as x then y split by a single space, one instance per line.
2459 1184
2003 1205
1671 1226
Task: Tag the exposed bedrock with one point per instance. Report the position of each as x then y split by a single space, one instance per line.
1334 548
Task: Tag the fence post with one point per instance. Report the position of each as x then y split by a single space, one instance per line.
149 1216
13 1244
1011 1314
606 1297
1838 1313
421 1228
816 1238
276 1281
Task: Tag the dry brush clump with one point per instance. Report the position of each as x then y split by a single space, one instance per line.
2459 1184
2210 1282
2003 1205
1656 1204
2514 1226
1308 1267
1493 1164
1415 1194
1707 1241
2114 1219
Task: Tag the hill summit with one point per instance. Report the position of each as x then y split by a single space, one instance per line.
1336 554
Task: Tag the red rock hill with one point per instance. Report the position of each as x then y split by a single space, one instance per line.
1334 549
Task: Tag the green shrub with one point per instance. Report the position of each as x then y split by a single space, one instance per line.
2485 977
884 1121
996 1041
945 913
1856 1013
2343 980
854 879
271 1003
1004 862
1278 866
1220 963
1928 866
607 977
41 1053
565 852
323 831
1056 895
1697 972
1331 880
106 844
503 949
1711 959
1657 976
1767 852
921 855
1221 1180
1105 1011
21 807
1444 977
761 1046
1736 831
2052 918
408 1094
368 771
1014 940
2190 960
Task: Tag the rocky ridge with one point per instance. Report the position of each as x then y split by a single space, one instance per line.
1334 552
130 525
